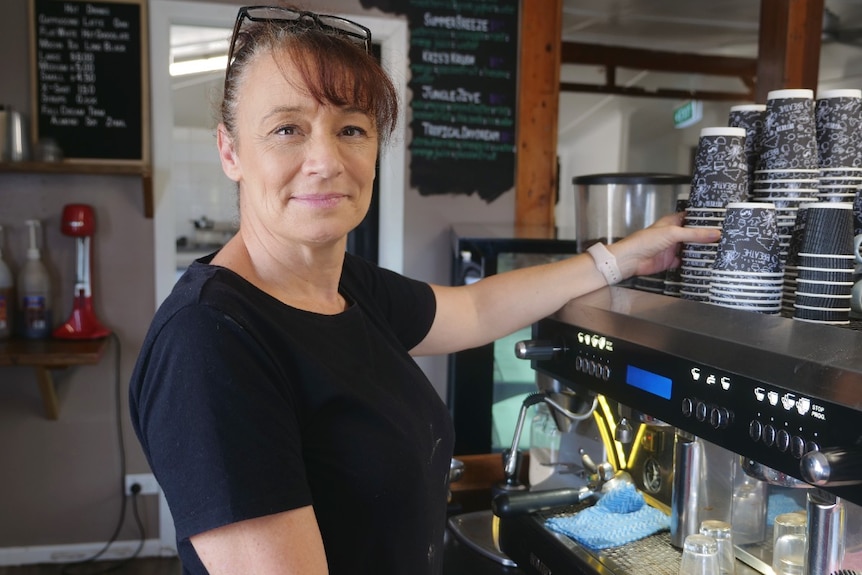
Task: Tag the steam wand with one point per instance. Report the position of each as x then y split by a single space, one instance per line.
512 458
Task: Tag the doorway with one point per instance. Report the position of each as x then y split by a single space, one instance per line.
392 35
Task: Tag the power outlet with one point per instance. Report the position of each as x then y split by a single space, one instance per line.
147 481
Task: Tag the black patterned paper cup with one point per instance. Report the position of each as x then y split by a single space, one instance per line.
720 168
842 172
830 275
779 175
789 140
819 289
827 261
785 194
798 184
749 117
749 239
751 290
845 198
857 213
826 315
838 114
828 229
840 181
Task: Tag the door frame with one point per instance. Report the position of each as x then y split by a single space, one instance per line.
393 36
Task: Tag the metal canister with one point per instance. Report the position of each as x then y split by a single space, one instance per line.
825 533
608 207
686 491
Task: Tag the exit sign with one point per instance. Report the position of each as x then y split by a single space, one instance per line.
688 114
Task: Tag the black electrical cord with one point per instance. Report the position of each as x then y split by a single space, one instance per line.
69 569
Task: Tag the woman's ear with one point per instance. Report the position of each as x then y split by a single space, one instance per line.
227 154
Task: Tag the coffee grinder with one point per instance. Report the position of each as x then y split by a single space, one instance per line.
79 221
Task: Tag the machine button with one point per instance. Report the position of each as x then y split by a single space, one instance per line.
591 369
797 446
719 417
782 440
755 429
687 407
768 435
579 363
701 411
812 446
606 372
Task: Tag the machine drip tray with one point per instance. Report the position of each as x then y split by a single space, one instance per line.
526 539
477 531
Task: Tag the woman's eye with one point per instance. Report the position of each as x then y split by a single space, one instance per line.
286 130
353 131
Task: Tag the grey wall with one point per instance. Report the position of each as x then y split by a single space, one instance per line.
60 480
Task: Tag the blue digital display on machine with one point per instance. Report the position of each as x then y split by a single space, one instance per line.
648 381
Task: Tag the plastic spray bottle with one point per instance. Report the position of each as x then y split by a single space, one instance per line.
34 291
7 298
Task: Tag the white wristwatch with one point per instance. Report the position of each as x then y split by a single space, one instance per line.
606 263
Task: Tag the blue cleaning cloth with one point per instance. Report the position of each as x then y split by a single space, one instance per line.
779 503
619 517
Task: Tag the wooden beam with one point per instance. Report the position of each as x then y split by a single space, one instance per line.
613 57
666 93
789 45
538 111
656 60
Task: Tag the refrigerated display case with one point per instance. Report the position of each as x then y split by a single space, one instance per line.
487 384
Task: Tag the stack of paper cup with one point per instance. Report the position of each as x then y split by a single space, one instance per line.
747 273
720 178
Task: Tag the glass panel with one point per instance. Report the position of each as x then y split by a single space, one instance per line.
514 379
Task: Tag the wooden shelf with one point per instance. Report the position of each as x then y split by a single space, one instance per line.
47 354
104 168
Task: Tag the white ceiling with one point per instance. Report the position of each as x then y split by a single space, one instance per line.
724 27
689 26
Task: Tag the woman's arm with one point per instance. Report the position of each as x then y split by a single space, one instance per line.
479 313
280 544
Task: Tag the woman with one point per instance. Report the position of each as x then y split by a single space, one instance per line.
275 395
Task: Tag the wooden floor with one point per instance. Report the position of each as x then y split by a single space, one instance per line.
148 566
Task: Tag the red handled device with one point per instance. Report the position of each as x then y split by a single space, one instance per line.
79 222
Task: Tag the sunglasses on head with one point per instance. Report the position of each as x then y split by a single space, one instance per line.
287 17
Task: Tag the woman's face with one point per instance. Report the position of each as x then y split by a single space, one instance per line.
305 170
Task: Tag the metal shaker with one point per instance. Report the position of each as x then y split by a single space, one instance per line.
825 533
686 490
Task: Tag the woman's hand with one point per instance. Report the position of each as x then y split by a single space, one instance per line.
655 248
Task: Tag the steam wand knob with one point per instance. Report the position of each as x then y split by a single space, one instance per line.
832 467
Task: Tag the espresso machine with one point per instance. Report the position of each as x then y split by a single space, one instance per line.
712 413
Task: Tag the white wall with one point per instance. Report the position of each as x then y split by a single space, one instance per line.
197 178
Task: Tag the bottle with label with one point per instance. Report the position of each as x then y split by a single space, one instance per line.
7 297
34 291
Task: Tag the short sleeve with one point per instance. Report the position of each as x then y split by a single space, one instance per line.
408 305
221 435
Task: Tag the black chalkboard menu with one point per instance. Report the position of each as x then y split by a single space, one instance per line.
463 65
90 78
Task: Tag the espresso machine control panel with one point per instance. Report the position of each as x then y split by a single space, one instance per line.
779 409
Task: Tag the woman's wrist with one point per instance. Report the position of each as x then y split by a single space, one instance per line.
606 263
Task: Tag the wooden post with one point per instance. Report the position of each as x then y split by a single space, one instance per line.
789 45
538 110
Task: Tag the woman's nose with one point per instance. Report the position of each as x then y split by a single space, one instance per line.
322 157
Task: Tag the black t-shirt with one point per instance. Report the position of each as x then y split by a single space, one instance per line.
246 407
